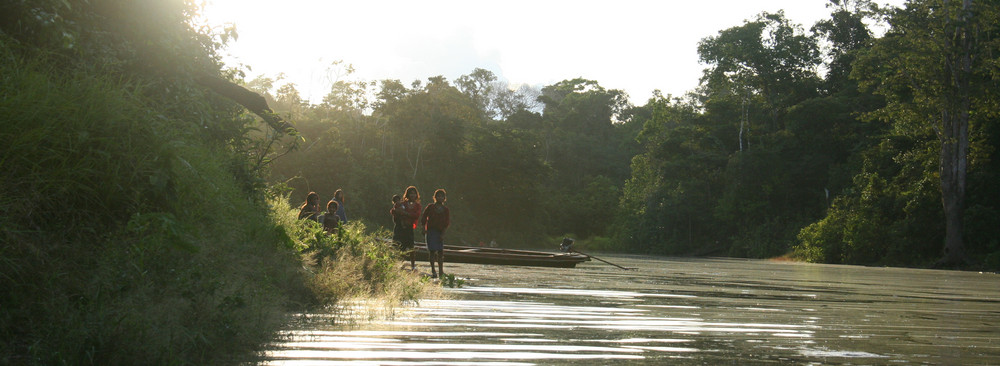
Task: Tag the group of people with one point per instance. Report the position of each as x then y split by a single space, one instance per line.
334 215
407 215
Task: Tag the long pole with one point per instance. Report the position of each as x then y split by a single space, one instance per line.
627 268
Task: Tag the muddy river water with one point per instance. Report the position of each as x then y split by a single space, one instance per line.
674 311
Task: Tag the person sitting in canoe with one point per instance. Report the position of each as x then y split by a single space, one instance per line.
435 220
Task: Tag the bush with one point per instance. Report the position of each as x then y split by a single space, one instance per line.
124 241
352 264
133 232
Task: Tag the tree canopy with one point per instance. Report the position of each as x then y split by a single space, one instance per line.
815 144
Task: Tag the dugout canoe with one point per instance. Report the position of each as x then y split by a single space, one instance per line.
500 256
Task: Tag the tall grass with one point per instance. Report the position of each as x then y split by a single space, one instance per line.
354 263
125 237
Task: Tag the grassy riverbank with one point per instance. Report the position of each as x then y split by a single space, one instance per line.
129 236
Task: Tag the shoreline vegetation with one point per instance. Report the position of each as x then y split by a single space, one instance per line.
145 218
127 239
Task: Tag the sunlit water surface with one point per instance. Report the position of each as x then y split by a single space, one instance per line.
674 311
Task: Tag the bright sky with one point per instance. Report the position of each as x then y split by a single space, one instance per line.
633 45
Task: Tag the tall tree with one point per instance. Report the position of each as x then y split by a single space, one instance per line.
581 137
667 204
768 58
846 33
935 69
480 87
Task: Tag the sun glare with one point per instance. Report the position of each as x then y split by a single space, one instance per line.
633 45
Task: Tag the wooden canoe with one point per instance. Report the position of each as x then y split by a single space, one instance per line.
500 256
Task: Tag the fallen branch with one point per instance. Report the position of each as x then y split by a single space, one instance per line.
251 101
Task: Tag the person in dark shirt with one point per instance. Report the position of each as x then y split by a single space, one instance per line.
310 208
331 222
396 223
435 221
408 212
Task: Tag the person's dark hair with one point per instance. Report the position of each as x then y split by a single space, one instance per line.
331 206
439 190
339 195
311 198
396 198
406 194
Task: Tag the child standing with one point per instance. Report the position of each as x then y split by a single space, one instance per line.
396 224
435 220
331 222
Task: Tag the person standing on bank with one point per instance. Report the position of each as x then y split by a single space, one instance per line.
408 211
339 197
331 223
396 224
435 220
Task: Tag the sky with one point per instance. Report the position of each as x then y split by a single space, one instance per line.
632 45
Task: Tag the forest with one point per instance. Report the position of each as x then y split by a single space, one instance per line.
828 144
136 226
148 194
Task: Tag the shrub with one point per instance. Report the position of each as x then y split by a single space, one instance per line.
125 241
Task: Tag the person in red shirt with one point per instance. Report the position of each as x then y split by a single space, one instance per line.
435 220
408 212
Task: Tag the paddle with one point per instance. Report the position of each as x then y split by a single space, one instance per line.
626 268
567 246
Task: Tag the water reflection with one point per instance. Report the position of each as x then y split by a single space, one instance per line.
677 312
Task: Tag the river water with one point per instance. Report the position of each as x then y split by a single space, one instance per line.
674 311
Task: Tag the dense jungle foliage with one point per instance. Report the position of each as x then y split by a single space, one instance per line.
768 157
135 226
145 218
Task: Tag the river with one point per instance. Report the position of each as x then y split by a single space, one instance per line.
674 311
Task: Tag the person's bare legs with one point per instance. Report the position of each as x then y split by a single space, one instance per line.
440 259
431 255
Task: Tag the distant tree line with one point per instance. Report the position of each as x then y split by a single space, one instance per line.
512 175
887 156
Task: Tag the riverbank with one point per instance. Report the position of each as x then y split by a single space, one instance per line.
129 237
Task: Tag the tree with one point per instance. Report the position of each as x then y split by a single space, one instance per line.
498 180
934 68
667 204
581 136
767 58
495 97
846 33
480 87
579 129
758 73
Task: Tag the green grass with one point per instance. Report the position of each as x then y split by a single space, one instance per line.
356 263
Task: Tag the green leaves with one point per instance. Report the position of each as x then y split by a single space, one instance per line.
160 226
769 57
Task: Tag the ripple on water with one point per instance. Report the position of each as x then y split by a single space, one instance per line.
673 312
440 330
